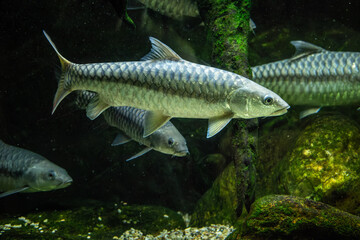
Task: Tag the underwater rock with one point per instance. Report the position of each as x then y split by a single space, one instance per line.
290 217
324 164
218 204
90 222
316 158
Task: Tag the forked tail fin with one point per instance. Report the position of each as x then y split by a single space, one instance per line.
61 92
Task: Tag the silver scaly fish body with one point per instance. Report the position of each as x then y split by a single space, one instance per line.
176 9
25 171
130 121
313 77
167 86
155 83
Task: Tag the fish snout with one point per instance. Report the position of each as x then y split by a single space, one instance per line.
66 182
280 111
182 153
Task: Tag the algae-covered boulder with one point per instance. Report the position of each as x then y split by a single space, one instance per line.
218 204
90 222
290 217
324 164
277 136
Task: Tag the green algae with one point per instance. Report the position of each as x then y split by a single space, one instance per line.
90 222
325 162
285 217
227 28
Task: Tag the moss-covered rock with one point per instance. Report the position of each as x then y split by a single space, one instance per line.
289 217
277 137
218 204
316 158
324 164
90 222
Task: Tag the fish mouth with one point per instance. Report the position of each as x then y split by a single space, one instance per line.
280 111
66 183
182 153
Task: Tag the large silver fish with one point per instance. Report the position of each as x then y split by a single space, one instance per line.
168 86
24 171
130 121
313 77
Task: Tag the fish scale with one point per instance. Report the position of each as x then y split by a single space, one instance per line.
130 121
24 171
14 163
318 78
177 9
215 94
174 84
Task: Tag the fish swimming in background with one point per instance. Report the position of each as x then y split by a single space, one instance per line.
24 171
176 9
130 121
168 86
313 77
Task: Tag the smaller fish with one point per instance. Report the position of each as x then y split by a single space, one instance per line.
25 171
130 121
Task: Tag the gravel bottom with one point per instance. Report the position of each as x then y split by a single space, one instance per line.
210 232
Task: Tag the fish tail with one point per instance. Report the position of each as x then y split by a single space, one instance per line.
61 92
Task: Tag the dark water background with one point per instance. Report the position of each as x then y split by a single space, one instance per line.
89 31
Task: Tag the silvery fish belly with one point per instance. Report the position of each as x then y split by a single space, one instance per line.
130 121
313 77
24 171
167 86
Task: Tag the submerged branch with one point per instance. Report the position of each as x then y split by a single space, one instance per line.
227 24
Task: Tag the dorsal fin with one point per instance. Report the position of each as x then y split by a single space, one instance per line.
304 49
160 51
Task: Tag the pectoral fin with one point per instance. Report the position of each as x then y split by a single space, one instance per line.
96 107
120 139
4 194
153 121
148 149
216 124
309 112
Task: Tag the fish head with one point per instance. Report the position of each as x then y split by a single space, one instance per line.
253 100
46 176
169 140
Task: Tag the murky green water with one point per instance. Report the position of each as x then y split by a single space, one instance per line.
317 158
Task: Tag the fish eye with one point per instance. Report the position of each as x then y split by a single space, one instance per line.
51 175
171 141
268 100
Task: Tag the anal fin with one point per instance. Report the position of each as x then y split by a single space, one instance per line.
216 124
120 139
153 121
96 107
